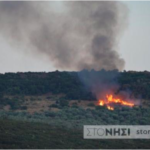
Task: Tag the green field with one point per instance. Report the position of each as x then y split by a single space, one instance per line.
20 134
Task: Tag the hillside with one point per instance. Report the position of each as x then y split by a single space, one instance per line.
21 135
70 83
48 110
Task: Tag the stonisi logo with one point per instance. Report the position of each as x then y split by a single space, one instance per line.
116 132
108 132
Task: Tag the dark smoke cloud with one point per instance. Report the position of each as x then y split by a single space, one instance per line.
100 83
74 36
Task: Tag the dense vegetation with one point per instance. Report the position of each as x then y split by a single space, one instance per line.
19 134
63 128
42 83
69 83
73 117
137 82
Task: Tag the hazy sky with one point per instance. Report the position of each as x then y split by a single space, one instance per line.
135 43
134 46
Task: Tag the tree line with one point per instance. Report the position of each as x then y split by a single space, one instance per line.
70 83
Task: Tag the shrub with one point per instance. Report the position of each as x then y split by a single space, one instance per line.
63 103
54 105
23 107
91 104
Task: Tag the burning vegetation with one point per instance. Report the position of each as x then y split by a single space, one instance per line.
110 101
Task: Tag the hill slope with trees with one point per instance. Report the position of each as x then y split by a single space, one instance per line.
69 83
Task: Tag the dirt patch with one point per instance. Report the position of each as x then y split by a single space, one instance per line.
6 108
83 103
39 106
32 104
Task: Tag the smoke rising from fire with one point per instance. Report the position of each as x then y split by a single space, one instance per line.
105 87
100 83
81 35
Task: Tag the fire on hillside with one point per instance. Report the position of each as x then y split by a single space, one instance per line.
110 102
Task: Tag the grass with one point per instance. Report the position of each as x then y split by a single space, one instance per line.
20 135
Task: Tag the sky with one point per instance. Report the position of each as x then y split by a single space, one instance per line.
135 43
134 46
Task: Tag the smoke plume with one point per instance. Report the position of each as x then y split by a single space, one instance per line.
74 35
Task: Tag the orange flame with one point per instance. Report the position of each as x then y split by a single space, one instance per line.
101 103
110 100
110 108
